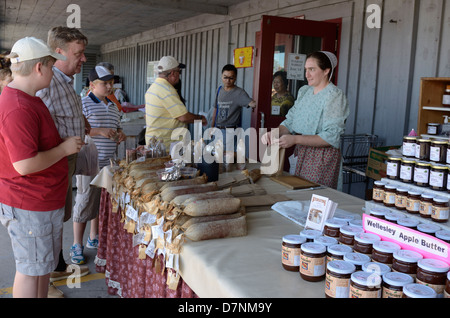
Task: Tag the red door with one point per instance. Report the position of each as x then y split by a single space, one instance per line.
278 40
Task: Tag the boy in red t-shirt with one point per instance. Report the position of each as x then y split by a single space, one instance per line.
33 168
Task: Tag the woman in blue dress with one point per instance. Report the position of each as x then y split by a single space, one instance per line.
315 123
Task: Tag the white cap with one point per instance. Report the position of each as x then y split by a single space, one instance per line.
30 48
167 63
333 59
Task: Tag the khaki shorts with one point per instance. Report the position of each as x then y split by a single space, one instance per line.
87 200
36 238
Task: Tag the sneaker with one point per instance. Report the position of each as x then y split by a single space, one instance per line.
70 271
76 253
92 243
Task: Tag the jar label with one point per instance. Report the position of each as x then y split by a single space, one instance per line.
435 154
439 289
400 201
406 173
389 198
391 169
378 195
436 179
448 156
421 175
290 256
425 208
312 266
409 149
413 205
390 293
418 151
337 287
356 292
439 213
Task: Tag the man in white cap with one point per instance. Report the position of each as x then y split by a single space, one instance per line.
33 169
65 107
164 109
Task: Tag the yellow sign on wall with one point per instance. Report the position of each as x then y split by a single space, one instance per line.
243 57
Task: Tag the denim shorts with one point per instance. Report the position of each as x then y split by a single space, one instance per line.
36 238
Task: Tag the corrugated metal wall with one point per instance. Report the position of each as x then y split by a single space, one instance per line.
199 51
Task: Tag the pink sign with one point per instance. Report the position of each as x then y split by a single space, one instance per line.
427 245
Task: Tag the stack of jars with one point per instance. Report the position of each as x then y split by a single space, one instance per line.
355 264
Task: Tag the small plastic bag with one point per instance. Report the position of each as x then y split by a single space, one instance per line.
87 160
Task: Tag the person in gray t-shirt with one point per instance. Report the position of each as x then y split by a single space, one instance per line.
229 101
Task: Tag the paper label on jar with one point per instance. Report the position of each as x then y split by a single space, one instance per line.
417 151
290 256
435 154
312 266
391 169
406 173
425 208
337 287
436 179
400 201
390 293
438 213
355 292
421 175
448 156
389 198
409 149
439 289
413 205
378 195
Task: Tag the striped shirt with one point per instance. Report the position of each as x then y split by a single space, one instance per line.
162 108
100 115
64 105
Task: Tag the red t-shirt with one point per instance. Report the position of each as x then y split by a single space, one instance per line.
26 128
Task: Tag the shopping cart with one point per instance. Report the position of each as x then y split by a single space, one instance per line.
355 152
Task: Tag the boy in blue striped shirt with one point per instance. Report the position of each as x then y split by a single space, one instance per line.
104 118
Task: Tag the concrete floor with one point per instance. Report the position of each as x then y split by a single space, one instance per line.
91 286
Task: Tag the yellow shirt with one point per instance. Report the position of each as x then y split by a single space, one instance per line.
162 107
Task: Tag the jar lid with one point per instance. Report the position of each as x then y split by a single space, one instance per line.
428 228
351 230
428 195
419 291
402 190
294 239
397 279
423 163
408 256
443 235
394 216
433 265
314 248
414 192
386 247
377 268
424 140
325 240
405 160
440 199
410 138
356 258
395 158
408 222
335 223
358 223
310 234
439 166
339 249
341 267
379 183
439 142
366 279
390 187
379 211
367 238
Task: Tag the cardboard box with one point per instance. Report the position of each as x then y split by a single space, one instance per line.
376 163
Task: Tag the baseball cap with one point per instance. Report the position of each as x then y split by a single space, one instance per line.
100 73
167 63
30 48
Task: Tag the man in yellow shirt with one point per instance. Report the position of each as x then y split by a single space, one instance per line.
164 110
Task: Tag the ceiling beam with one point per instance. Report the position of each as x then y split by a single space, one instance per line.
183 5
